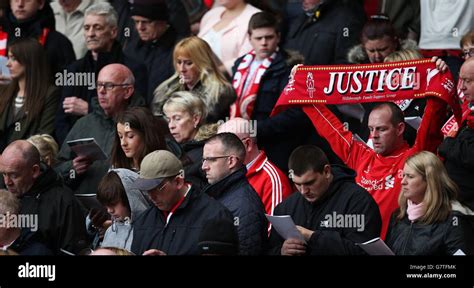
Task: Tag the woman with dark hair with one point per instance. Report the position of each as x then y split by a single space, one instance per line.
138 133
378 39
29 102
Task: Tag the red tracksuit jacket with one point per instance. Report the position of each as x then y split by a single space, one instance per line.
271 183
381 176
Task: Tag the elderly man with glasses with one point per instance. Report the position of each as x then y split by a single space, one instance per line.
223 163
100 34
115 92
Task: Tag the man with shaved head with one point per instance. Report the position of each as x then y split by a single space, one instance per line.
115 92
458 150
270 183
43 196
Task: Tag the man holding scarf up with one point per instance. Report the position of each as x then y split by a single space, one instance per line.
457 147
258 78
379 170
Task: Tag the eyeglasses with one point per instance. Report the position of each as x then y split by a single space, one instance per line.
213 159
110 86
469 53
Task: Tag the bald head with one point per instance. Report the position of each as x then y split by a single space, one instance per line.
238 126
23 151
467 77
20 166
119 80
244 130
119 73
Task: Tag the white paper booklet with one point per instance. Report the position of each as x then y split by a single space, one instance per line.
285 226
376 246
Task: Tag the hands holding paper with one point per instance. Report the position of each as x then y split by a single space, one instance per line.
305 232
295 247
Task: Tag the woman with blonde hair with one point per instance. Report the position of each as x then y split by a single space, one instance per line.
47 147
403 55
196 70
430 221
186 114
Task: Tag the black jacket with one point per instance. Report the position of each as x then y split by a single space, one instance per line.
192 161
58 47
405 237
178 18
343 198
180 236
157 56
459 162
60 218
236 193
30 244
43 123
86 65
325 39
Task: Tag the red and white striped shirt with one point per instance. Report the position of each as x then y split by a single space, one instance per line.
271 184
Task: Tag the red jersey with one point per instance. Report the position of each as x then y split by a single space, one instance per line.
271 183
380 175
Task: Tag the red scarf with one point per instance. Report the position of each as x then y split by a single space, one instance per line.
403 104
451 124
4 39
3 43
349 84
246 96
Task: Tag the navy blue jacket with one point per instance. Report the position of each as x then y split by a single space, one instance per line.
235 192
181 235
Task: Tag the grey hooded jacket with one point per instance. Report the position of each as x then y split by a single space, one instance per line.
120 233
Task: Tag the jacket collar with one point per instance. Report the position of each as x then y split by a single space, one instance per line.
219 188
258 164
46 179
